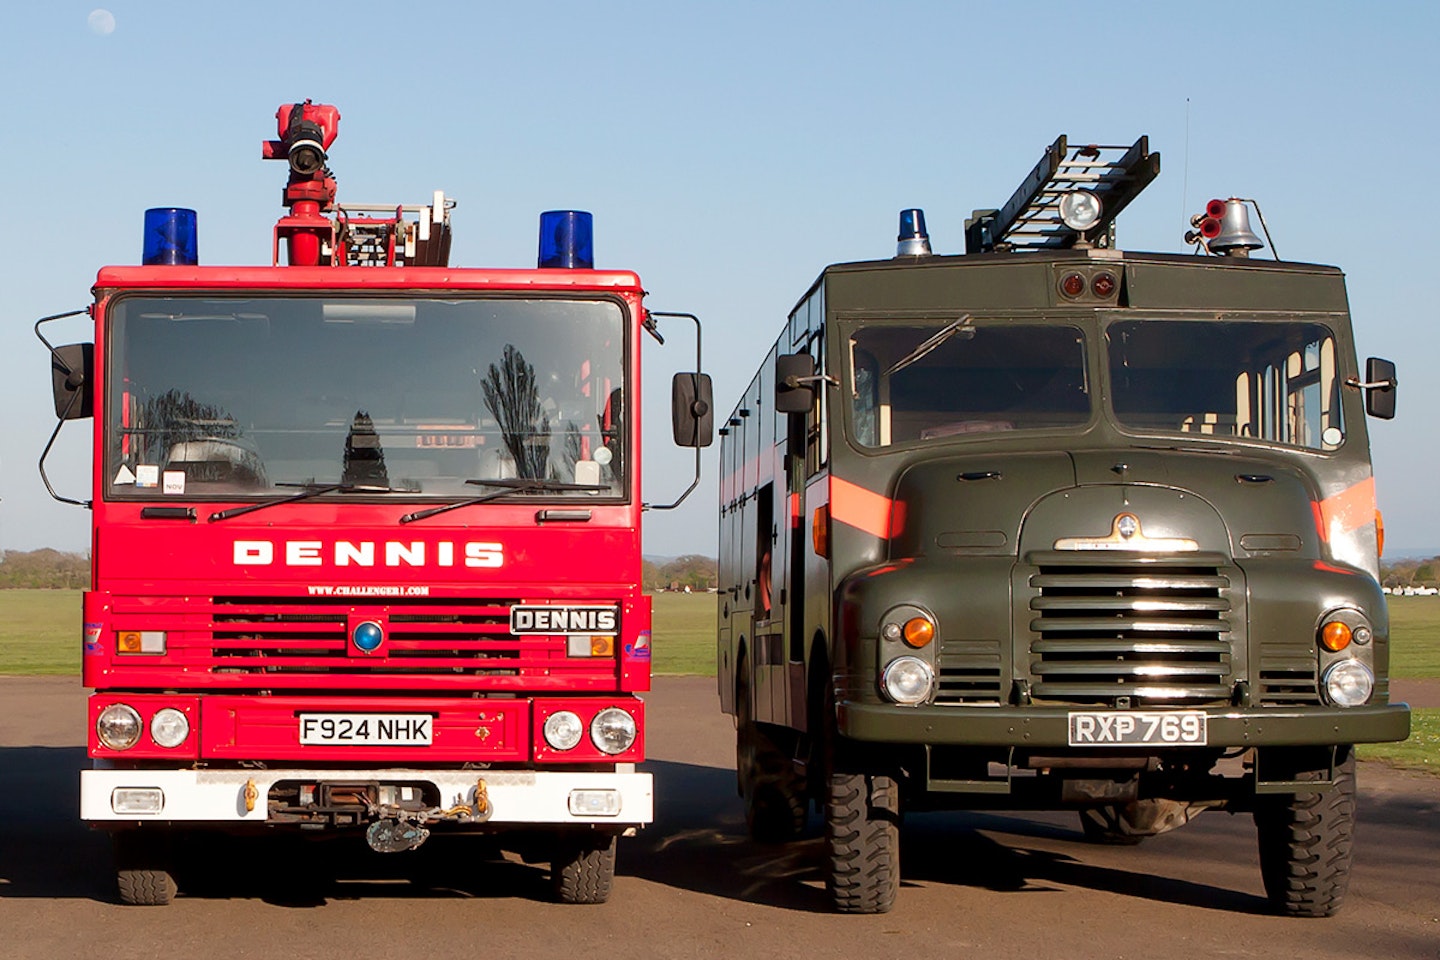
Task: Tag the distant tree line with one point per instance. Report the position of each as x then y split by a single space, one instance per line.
1411 572
692 570
44 569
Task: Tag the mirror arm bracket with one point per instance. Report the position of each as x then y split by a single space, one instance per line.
655 332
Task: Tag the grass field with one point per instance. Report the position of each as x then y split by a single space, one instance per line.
39 631
1414 637
683 634
1420 752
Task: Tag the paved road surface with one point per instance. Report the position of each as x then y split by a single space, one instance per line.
977 885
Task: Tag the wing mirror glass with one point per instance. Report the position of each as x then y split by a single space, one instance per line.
692 409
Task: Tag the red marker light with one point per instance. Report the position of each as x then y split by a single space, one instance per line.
1103 286
1072 285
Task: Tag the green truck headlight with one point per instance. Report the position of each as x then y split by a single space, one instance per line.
1349 683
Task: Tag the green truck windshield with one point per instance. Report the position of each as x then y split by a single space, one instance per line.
237 397
1272 381
931 381
1267 381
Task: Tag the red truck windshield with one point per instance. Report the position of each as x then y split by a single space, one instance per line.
237 397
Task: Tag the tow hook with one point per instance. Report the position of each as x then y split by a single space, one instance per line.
398 830
393 836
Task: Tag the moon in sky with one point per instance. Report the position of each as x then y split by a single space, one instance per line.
102 22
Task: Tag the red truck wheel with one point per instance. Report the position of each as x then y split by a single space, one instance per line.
583 868
142 868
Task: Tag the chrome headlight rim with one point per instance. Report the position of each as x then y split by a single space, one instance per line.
169 727
613 731
563 730
1348 683
118 727
903 669
1080 209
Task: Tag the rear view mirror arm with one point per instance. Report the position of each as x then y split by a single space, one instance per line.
654 331
75 397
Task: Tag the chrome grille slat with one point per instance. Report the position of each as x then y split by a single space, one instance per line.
1153 630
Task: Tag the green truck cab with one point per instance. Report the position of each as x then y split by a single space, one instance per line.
1055 525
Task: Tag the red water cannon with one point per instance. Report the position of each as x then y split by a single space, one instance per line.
306 132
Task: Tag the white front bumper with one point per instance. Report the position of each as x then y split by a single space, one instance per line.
515 797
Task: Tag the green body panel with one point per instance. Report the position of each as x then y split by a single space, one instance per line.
974 520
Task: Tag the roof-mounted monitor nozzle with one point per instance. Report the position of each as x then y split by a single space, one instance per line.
913 241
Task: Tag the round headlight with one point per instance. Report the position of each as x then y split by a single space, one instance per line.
908 680
613 730
1079 209
169 728
1349 683
563 730
118 726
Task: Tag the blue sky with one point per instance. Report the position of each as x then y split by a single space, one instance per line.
728 152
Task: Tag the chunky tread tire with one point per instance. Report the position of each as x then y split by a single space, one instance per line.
142 869
583 870
863 841
1306 842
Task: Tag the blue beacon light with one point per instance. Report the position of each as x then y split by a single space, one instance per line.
170 237
913 241
567 240
368 636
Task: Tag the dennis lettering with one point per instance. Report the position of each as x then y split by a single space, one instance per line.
367 553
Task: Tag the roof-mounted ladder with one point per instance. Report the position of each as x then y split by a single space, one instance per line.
1030 220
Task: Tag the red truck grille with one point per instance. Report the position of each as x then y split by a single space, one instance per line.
274 642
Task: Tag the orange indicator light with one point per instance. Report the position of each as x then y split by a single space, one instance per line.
919 632
1335 636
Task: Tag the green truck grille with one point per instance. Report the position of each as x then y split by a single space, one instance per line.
1150 631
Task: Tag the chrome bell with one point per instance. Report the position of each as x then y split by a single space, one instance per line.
1235 238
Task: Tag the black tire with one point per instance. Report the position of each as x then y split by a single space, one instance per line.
583 868
863 841
1306 842
1102 825
144 874
776 807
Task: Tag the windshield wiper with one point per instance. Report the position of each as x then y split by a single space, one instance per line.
310 490
945 333
509 486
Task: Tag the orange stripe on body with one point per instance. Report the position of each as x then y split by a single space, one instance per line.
862 509
1350 509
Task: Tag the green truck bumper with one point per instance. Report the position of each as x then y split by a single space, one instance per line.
1050 726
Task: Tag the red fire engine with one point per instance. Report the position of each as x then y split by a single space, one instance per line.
366 533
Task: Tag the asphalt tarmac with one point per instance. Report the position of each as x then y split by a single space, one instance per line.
989 885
